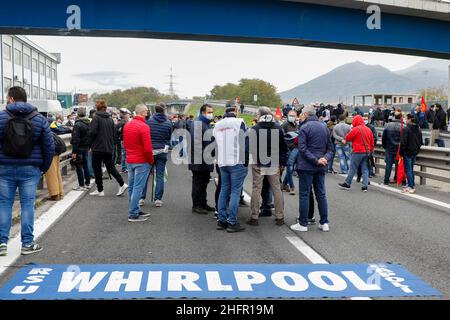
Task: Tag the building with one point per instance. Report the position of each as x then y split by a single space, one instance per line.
26 64
387 99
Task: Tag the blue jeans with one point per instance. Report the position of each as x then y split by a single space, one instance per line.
315 179
409 169
389 159
26 178
160 167
90 168
439 142
124 158
292 159
358 159
230 192
343 152
137 177
82 169
330 163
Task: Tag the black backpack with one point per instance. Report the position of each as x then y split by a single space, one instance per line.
18 141
60 145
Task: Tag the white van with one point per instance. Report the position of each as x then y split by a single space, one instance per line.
44 106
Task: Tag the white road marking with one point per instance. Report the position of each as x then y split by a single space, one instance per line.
41 225
415 196
313 256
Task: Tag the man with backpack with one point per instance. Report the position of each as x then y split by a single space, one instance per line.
26 150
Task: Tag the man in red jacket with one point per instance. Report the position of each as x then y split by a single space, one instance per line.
138 145
363 144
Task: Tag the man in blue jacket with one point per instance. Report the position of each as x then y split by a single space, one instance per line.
20 171
161 131
315 150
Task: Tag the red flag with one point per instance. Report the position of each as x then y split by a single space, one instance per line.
424 106
278 112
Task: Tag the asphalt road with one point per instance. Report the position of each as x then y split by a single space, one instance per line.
377 226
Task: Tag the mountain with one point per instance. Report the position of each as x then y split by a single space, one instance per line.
353 78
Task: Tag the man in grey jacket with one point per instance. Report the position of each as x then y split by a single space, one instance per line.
342 147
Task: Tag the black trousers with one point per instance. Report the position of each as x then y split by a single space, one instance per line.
200 180
106 158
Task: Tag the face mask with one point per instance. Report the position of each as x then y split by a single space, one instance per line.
53 118
58 124
209 116
291 119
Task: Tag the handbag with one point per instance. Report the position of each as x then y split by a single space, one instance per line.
370 158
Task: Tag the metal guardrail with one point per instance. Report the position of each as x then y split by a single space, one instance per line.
429 157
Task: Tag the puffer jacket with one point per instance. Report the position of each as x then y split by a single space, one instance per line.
43 144
161 130
356 135
103 133
80 135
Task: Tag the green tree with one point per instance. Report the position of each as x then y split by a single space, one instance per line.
129 98
246 90
434 93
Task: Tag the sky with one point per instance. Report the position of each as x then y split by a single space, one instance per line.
103 64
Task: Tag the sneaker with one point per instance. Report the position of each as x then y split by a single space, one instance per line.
411 191
3 249
364 189
79 188
32 248
344 186
279 222
97 193
138 219
216 214
141 203
124 171
299 227
122 189
144 214
312 221
158 203
209 209
87 186
199 211
232 228
286 188
252 222
221 225
358 179
324 227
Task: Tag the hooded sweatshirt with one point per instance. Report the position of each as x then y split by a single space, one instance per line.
356 136
411 140
103 133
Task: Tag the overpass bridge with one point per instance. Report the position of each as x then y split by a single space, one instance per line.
419 27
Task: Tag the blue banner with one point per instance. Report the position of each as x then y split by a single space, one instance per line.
211 281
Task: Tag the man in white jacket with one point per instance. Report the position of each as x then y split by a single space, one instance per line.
232 159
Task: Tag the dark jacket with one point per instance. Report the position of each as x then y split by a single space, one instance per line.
280 145
313 143
411 140
161 130
119 129
198 144
391 136
374 132
289 127
43 144
440 120
80 135
103 133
